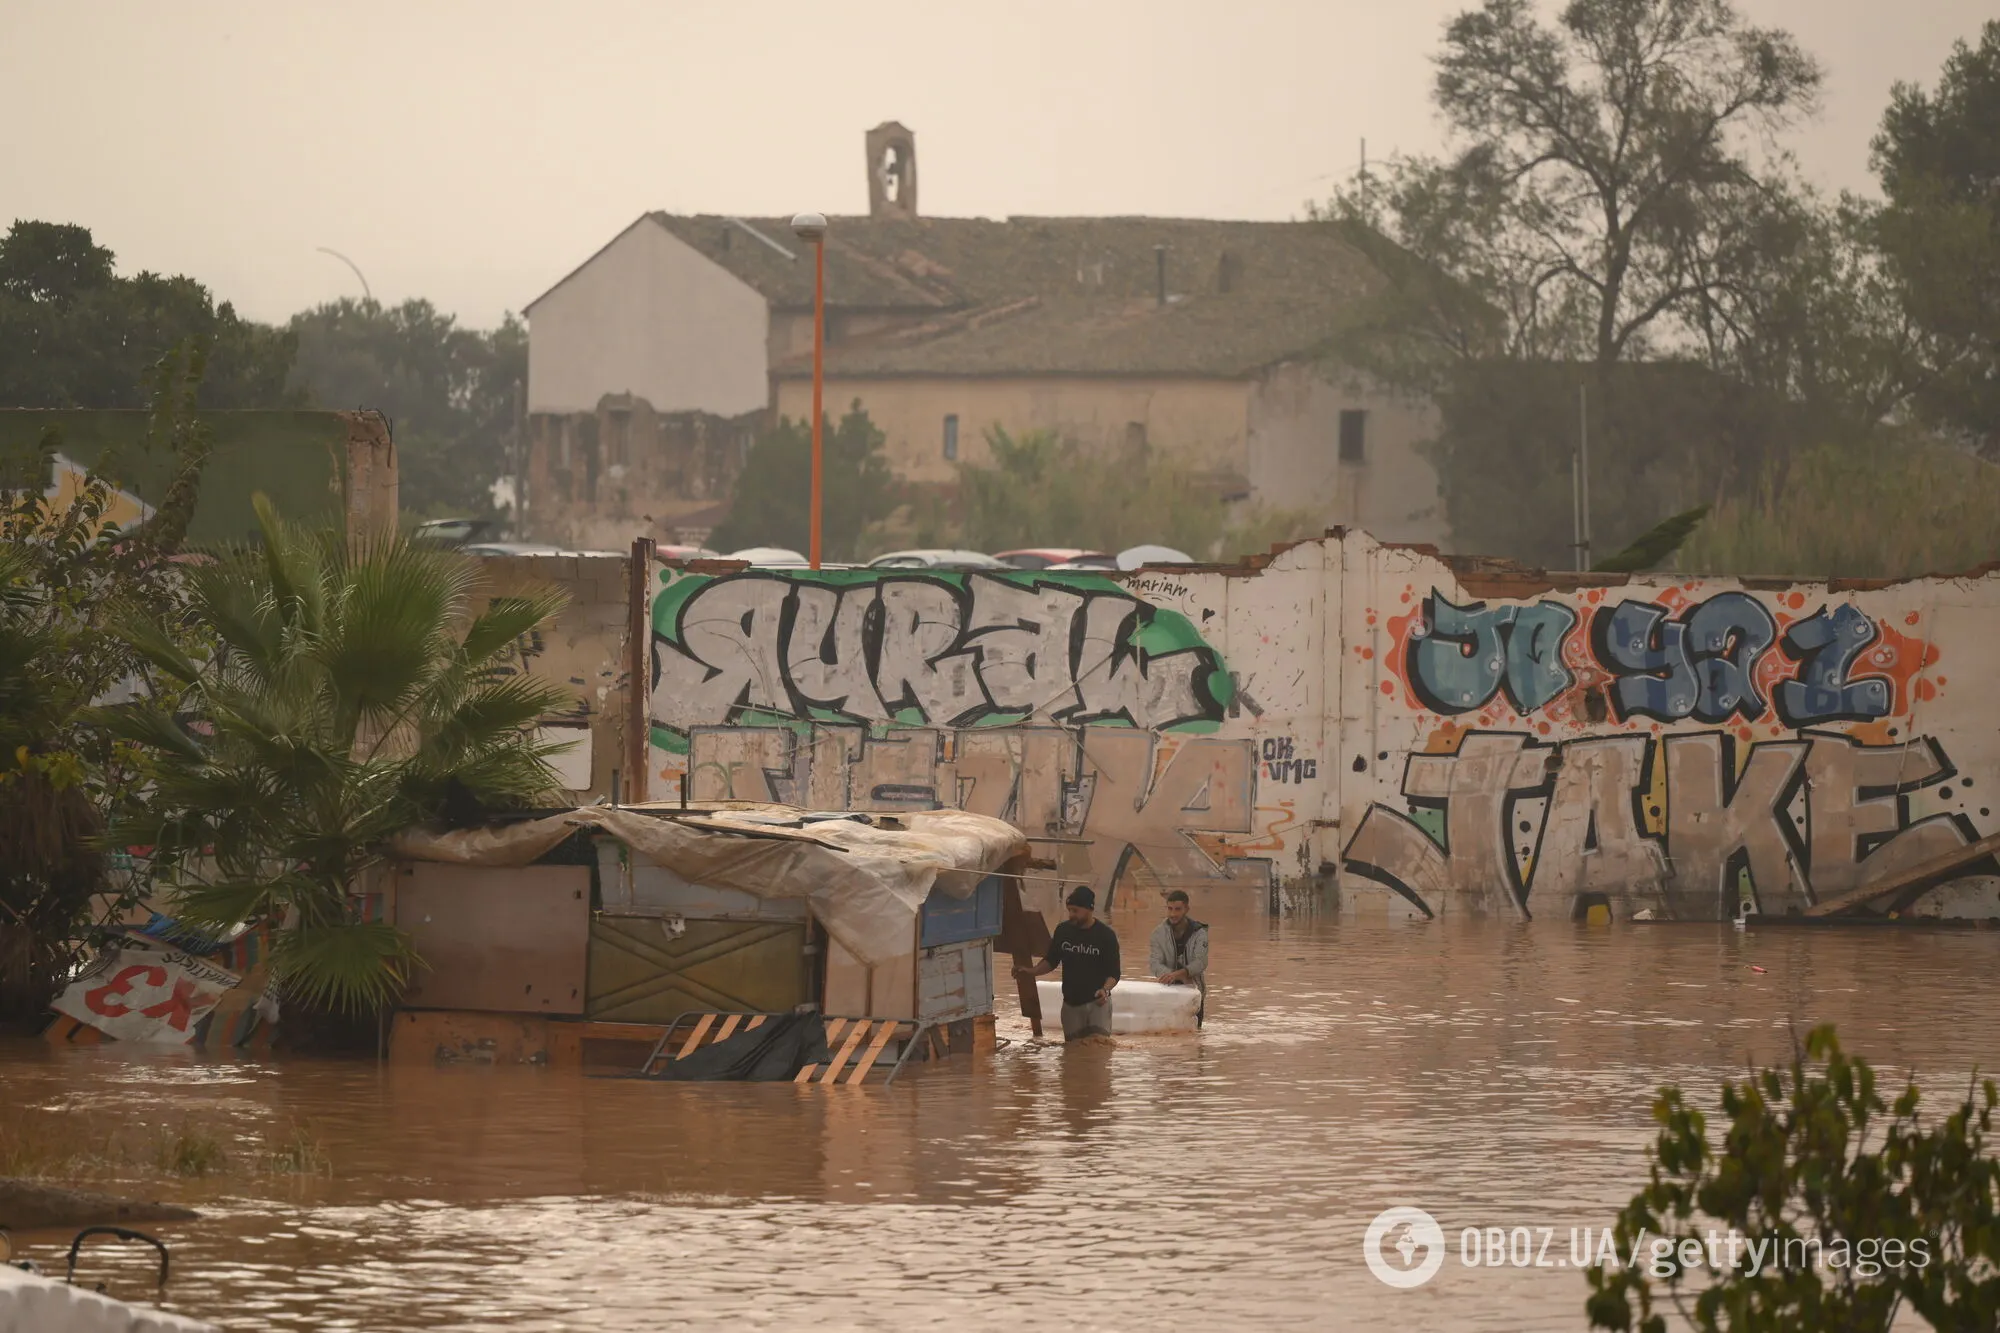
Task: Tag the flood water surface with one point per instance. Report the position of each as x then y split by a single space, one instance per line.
1495 1076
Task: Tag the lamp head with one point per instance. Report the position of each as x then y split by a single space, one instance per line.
809 226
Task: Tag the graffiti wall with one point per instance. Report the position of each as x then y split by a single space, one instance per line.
1363 727
1104 717
1665 749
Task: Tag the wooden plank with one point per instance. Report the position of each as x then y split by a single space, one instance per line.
1936 867
833 1030
728 1026
756 1021
874 1053
805 1075
700 1030
854 1037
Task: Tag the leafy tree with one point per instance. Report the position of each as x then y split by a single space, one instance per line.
773 502
1601 167
1938 157
68 582
1869 1208
353 693
448 392
1043 489
75 334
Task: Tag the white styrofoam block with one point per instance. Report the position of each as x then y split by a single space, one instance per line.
32 1304
1136 1006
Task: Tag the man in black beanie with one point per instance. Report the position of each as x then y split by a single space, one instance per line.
1087 952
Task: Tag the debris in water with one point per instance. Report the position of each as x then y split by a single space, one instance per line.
1755 968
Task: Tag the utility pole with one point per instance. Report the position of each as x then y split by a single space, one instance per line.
520 463
1580 474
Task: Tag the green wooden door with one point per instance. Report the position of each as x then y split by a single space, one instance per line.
640 973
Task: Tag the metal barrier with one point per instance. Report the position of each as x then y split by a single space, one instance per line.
857 1043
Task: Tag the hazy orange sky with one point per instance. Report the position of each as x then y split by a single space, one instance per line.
473 153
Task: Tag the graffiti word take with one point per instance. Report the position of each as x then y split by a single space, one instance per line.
1674 826
1699 665
759 647
1281 765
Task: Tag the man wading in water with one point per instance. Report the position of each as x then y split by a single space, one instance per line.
1178 953
1087 952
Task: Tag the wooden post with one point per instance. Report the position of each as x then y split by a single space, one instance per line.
638 669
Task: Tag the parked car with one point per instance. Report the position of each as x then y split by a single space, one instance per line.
1132 557
451 531
769 557
936 559
1041 557
512 548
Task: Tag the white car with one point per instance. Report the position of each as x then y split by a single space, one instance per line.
769 557
936 559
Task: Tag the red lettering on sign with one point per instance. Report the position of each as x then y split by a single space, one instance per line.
178 1008
105 999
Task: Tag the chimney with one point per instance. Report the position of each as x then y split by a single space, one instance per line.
892 172
1160 265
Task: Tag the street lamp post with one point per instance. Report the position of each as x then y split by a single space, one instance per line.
812 227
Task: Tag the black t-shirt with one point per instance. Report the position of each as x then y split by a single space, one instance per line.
1088 956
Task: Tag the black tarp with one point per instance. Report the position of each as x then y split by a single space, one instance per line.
773 1052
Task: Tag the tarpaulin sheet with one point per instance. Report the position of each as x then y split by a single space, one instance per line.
865 883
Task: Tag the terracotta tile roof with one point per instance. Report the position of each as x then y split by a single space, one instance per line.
1054 295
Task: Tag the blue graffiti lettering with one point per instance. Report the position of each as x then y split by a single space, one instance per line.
1467 654
1726 635
1649 656
1826 646
1703 666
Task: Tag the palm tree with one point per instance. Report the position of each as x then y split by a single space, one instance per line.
352 694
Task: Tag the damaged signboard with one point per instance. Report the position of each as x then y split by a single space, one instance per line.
138 993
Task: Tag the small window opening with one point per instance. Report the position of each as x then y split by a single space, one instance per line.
951 438
1353 436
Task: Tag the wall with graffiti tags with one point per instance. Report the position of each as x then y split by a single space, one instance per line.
1139 728
1373 728
1671 748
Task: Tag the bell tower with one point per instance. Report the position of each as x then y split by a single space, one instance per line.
892 172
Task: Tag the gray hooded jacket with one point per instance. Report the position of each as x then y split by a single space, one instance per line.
1160 953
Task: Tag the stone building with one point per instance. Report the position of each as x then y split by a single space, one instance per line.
1205 339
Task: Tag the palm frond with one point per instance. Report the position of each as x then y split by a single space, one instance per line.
225 903
506 620
1654 545
356 967
148 725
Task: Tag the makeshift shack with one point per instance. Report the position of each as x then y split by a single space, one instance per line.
578 937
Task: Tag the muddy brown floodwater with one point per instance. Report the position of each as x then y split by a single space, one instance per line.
1493 1075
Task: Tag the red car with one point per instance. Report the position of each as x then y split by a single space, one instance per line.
1041 557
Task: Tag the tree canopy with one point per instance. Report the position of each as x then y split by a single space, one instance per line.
75 334
448 392
1938 157
773 504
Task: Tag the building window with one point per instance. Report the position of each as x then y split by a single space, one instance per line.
1353 436
951 439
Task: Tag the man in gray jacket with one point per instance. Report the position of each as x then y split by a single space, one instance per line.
1178 954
